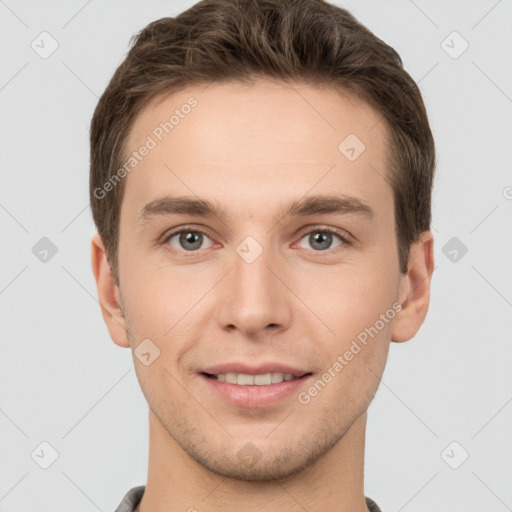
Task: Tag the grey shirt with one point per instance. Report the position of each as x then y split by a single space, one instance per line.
134 495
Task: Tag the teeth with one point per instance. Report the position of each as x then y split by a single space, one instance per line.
264 379
244 380
277 378
261 380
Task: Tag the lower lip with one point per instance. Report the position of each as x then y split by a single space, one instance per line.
255 397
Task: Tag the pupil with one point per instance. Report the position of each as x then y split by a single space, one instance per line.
191 238
322 238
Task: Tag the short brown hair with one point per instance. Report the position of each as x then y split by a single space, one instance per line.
309 41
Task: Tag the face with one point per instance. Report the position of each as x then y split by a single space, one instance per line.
287 265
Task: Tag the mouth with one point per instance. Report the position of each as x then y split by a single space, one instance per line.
256 388
262 379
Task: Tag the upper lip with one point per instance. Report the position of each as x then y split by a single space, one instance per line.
260 369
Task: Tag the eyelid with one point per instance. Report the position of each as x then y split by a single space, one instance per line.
344 235
185 227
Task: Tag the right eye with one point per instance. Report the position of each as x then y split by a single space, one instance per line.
188 239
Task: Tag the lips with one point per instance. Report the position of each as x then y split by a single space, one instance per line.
254 386
255 390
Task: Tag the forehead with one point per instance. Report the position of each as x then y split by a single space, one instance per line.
253 143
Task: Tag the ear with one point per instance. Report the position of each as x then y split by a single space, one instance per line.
108 293
414 292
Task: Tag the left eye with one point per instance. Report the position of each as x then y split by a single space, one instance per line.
321 239
188 239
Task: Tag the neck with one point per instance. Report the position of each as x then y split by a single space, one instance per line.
176 482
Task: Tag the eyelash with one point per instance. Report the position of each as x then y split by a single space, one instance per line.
345 239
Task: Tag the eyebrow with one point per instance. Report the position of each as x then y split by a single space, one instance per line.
311 205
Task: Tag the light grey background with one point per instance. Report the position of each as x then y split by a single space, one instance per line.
63 380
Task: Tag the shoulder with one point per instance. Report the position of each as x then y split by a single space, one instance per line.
131 499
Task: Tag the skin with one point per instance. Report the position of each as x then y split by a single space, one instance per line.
255 148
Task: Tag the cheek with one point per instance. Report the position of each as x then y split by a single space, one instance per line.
356 351
146 294
354 300
164 307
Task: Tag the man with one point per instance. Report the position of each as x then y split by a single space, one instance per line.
261 177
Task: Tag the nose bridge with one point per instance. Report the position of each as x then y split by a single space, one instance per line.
256 298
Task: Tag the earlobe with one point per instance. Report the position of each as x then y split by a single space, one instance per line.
108 293
415 289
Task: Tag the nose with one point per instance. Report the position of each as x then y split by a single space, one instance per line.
256 301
